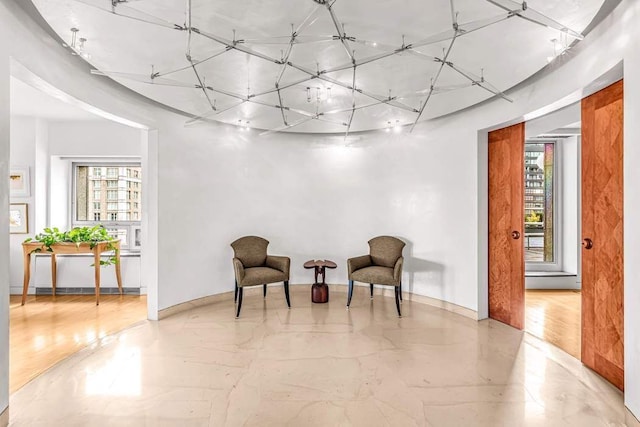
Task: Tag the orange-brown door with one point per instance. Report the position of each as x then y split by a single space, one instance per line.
602 245
506 222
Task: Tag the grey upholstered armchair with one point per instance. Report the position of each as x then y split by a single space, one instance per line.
254 267
383 266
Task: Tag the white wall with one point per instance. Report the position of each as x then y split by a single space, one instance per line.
317 198
23 153
569 149
4 231
427 187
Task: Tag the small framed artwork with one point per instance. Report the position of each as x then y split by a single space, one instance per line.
137 238
19 181
18 218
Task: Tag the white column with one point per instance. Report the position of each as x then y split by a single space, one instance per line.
4 229
632 227
149 251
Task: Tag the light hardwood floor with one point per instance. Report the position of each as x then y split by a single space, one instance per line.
554 316
48 329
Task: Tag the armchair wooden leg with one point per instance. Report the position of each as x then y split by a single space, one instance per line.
264 290
235 297
350 293
286 292
400 292
371 289
239 302
398 300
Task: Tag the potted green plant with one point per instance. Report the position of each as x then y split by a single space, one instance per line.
52 240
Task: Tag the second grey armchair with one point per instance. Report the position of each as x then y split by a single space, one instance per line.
383 266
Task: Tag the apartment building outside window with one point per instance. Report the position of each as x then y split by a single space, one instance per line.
101 196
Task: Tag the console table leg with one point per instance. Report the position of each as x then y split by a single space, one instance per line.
96 262
54 273
118 274
27 275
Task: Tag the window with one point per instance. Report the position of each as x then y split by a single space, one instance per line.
539 202
113 211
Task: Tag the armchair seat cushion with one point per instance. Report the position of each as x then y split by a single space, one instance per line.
376 274
261 275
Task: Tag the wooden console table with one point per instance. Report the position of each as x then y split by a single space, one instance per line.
30 248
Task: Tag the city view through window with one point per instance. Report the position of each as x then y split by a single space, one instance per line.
110 195
538 202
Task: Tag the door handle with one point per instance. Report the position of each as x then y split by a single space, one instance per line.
515 235
587 243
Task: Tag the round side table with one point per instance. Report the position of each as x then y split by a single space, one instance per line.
319 291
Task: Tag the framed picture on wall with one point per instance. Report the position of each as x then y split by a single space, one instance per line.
18 218
19 184
137 238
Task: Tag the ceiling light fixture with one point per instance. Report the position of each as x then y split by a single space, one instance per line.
443 65
77 44
560 46
321 94
388 128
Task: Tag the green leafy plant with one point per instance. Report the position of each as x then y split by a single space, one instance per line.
78 235
533 217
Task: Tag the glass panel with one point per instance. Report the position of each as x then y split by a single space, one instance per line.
119 233
538 202
121 205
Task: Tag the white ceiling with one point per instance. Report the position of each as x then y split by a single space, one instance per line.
26 101
125 45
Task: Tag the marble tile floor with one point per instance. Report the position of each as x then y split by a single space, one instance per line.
318 364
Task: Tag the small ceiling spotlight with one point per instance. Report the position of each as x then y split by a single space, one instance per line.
77 45
308 94
243 125
397 128
560 46
388 128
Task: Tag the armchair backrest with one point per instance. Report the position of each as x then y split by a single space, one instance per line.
385 250
251 251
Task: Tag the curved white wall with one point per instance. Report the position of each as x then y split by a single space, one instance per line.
312 197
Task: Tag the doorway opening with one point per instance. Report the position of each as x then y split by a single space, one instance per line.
48 138
551 229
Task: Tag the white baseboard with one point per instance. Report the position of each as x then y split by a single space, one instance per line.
552 282
383 291
629 419
4 418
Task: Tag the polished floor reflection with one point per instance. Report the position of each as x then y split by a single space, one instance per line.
318 365
48 329
554 316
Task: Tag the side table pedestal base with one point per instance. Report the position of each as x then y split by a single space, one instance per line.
319 293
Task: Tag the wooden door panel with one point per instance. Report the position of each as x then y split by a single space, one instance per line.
602 222
506 215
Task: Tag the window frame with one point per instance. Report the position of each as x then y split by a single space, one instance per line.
557 264
129 225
